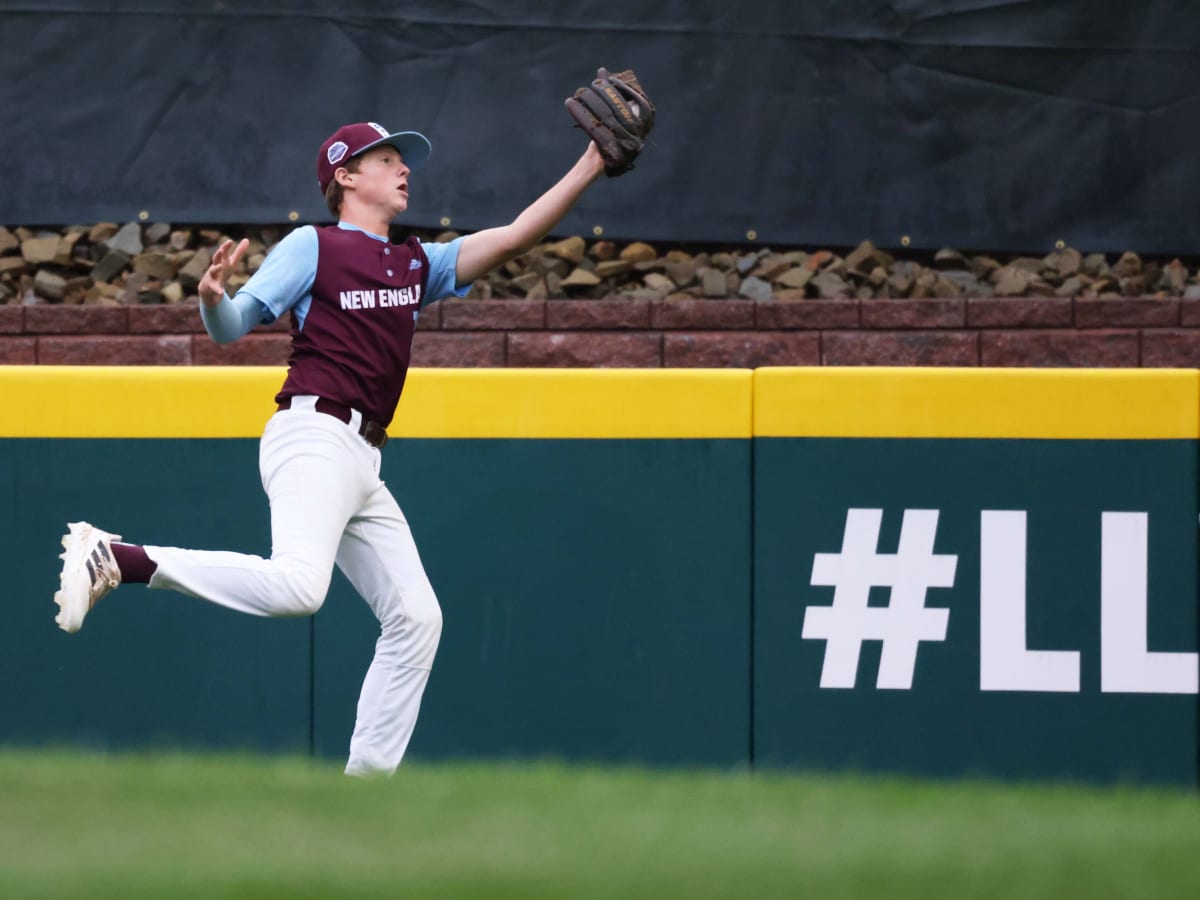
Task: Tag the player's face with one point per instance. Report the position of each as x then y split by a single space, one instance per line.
382 180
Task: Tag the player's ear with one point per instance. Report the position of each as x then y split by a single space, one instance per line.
342 176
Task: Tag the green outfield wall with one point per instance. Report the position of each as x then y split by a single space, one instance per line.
984 572
928 571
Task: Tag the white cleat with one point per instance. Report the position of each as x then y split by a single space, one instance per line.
88 573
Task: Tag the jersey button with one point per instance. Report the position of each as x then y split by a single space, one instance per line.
389 273
387 250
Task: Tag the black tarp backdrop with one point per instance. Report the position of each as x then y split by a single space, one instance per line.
975 123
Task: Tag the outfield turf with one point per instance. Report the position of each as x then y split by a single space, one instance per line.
168 826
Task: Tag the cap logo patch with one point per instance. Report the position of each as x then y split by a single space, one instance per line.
336 152
382 131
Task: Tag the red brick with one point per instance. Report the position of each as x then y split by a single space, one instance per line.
45 319
702 314
492 315
18 351
1171 348
430 318
163 318
1059 348
915 314
585 349
597 315
744 350
12 319
791 314
1127 312
251 350
1019 312
1189 312
900 348
459 349
140 350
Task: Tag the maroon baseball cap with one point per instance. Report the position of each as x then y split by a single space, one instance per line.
351 140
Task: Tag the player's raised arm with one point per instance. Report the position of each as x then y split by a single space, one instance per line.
617 115
485 250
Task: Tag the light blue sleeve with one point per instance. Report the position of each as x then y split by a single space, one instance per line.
443 282
231 318
286 275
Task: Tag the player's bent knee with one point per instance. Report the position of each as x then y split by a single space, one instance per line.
431 618
427 627
427 618
416 610
418 626
305 593
308 604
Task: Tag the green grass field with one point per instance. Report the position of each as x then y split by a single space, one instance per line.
169 826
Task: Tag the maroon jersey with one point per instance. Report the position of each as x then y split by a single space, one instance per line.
356 342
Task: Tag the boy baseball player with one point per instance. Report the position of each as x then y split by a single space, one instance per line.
354 298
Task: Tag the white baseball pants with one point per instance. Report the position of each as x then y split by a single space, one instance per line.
329 505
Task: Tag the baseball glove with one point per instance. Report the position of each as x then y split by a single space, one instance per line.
617 114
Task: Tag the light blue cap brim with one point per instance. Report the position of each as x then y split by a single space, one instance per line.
413 146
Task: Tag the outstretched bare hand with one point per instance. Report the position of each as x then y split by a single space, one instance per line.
224 262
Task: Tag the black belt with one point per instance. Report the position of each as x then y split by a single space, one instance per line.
371 431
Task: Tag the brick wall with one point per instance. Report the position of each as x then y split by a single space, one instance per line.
1040 331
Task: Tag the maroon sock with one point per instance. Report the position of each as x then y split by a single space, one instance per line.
136 567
